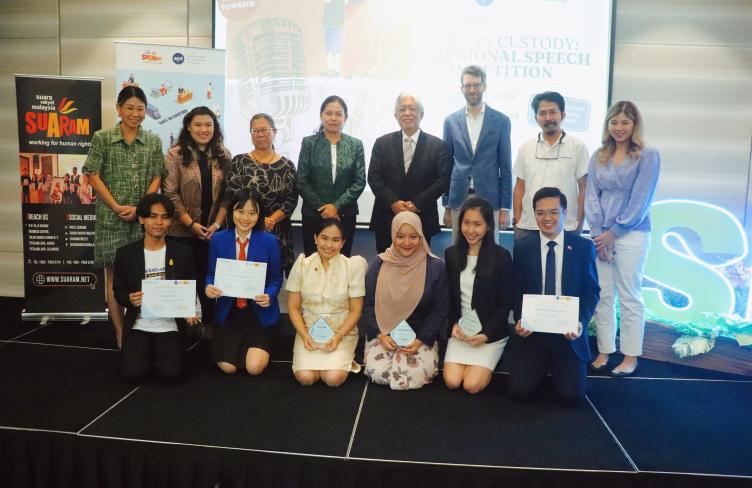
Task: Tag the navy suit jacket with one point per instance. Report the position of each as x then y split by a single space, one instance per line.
579 278
490 166
263 248
426 180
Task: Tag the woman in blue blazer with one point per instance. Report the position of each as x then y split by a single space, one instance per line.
244 329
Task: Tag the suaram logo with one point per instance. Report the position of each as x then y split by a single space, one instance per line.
57 124
151 57
178 58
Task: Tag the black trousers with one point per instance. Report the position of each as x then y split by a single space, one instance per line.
142 349
541 353
201 258
311 226
385 240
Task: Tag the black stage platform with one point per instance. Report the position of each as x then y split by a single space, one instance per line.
68 420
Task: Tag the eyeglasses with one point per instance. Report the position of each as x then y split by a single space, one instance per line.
263 131
546 155
470 86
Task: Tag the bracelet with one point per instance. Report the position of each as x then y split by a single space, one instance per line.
217 225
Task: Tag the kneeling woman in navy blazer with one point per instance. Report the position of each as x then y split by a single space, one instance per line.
480 279
244 329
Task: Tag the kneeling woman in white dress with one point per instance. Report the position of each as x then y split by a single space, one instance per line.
326 290
480 291
405 283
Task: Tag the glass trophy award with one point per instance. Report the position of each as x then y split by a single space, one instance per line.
320 331
470 324
403 334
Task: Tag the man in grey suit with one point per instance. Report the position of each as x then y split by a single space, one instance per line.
478 139
409 170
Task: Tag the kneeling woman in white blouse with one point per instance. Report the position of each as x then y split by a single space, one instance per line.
326 289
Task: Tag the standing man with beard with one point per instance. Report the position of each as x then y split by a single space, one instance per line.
552 159
478 139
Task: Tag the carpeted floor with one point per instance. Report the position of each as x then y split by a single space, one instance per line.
673 419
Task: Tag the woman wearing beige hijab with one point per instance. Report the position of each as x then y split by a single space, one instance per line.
406 285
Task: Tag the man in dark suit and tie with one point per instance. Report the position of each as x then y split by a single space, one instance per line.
553 262
409 170
478 139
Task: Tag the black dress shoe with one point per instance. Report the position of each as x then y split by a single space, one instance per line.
622 374
600 368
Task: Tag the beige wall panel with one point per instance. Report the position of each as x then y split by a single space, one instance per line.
696 102
11 237
722 180
200 42
684 22
683 62
687 64
24 56
134 18
200 18
700 93
30 56
28 19
11 270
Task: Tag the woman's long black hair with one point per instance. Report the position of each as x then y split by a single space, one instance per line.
486 260
215 149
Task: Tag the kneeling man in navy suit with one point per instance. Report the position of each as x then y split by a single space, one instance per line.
553 262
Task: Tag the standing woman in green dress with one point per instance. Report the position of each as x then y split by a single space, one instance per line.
331 175
124 163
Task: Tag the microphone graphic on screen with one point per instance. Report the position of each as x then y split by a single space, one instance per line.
270 60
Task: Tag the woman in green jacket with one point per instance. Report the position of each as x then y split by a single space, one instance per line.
331 175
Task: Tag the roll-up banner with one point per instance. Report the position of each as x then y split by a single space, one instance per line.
57 118
175 79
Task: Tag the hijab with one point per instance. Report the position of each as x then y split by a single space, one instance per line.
401 280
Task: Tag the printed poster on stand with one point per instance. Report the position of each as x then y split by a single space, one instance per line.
175 79
57 118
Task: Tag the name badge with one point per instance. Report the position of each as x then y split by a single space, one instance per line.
403 334
470 324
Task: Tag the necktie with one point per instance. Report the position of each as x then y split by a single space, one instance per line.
408 149
549 288
241 302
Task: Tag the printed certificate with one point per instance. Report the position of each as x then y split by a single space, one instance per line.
550 313
240 279
168 298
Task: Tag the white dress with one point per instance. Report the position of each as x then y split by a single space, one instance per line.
327 292
459 352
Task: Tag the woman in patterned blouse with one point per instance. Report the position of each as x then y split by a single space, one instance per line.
331 175
271 176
